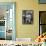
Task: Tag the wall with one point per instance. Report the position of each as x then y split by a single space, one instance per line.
28 31
32 30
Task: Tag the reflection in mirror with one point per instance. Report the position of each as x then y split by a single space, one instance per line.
9 34
7 27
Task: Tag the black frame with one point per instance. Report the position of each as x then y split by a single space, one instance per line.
39 21
25 13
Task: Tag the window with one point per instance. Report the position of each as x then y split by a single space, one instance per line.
42 22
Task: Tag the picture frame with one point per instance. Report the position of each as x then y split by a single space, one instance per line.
27 17
42 1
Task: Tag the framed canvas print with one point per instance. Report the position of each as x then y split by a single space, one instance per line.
42 1
7 20
27 16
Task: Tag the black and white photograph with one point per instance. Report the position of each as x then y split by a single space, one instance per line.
27 16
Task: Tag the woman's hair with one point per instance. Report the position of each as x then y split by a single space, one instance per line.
44 40
41 35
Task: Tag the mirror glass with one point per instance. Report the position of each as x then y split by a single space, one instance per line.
7 21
